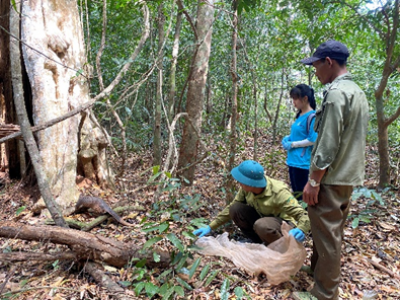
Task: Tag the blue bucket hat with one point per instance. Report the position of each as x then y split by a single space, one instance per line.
250 173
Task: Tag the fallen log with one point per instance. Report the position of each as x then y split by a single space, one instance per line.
86 246
25 256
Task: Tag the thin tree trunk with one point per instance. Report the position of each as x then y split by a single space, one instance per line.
175 51
255 117
158 109
209 96
274 129
15 58
391 64
383 150
196 90
232 152
266 103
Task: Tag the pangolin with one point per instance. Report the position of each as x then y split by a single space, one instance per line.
99 206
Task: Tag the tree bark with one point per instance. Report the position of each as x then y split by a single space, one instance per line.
196 90
274 128
175 51
392 62
232 152
41 176
53 29
157 117
86 246
9 154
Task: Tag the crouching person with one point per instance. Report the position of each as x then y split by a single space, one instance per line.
260 206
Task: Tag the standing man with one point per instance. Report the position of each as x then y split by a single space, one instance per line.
337 164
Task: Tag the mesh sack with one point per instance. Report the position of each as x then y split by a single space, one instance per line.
278 261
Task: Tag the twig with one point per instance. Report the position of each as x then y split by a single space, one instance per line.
51 122
9 275
382 268
39 288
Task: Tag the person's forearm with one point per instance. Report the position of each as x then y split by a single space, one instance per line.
317 175
301 144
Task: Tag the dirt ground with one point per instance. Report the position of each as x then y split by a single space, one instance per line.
370 252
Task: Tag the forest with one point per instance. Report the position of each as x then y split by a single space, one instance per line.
144 108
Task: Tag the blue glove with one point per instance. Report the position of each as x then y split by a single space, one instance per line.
203 231
287 145
286 138
298 234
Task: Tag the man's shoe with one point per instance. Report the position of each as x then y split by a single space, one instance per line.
303 296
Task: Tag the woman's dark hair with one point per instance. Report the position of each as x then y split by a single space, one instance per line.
302 90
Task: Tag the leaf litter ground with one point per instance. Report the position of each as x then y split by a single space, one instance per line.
370 251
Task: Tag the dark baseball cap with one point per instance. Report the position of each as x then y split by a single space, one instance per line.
332 49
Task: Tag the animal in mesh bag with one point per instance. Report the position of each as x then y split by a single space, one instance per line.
278 261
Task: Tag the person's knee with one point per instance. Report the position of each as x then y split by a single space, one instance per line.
268 226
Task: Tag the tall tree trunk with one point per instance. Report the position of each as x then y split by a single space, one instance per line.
391 64
54 30
157 119
255 116
232 152
172 77
9 152
16 71
278 106
196 90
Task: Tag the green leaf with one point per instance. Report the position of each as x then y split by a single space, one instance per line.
179 290
176 258
182 261
355 222
78 73
156 169
23 282
163 289
184 283
168 174
194 267
189 235
138 288
55 264
211 277
152 241
20 210
365 219
156 257
151 289
168 294
175 241
128 111
238 292
225 289
163 226
14 5
152 178
125 283
141 263
204 272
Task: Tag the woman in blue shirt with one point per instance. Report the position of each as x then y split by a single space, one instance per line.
302 137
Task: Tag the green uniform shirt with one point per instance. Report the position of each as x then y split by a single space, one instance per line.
341 123
276 200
